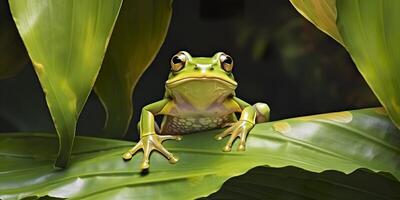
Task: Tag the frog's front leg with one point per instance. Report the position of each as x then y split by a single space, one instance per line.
149 139
250 115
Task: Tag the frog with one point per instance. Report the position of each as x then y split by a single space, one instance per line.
199 96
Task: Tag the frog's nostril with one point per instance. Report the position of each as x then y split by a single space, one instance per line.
196 67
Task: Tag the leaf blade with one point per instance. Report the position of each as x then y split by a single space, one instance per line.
139 33
370 32
66 42
97 170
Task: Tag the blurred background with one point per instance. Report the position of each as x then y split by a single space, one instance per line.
280 59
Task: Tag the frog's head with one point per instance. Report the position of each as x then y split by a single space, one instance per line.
201 80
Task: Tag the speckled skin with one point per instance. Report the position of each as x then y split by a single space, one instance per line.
183 125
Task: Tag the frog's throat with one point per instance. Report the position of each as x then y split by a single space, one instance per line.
229 82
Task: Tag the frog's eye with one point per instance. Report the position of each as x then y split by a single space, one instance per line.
178 62
226 62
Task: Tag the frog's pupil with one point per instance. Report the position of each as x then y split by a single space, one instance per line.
176 60
228 60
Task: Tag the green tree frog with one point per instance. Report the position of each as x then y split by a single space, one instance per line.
200 95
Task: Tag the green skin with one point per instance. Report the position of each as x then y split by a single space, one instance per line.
200 96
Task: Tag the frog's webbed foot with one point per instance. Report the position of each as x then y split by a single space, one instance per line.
149 143
239 129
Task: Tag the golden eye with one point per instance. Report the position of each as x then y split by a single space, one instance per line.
226 62
178 62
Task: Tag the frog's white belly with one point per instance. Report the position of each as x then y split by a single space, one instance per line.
182 125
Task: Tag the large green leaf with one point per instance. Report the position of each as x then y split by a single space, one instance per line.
371 33
322 13
343 141
13 55
139 32
66 41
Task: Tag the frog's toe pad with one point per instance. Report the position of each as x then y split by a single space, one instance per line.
173 160
127 156
145 165
218 137
241 147
227 148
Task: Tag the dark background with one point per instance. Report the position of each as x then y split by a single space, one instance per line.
280 59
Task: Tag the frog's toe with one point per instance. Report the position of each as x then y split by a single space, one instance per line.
241 147
170 137
173 159
217 137
145 165
234 135
127 156
224 134
227 148
242 144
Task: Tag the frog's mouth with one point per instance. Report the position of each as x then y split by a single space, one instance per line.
228 82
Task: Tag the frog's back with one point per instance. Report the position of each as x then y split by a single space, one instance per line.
187 124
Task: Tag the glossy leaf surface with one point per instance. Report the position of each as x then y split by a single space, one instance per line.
139 32
341 141
66 41
322 13
13 55
371 32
